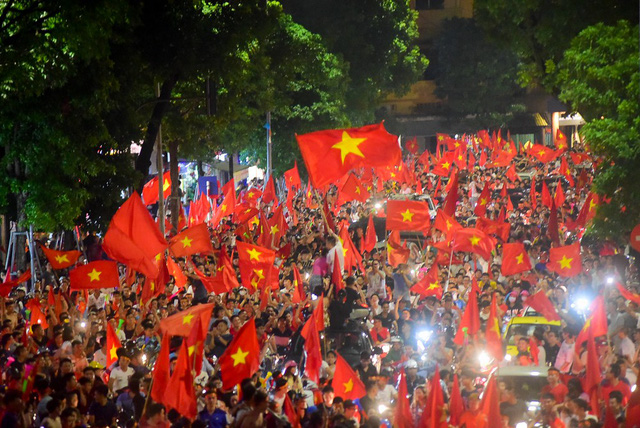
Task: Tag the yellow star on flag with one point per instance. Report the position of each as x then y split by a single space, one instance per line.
186 319
255 221
433 286
448 223
239 357
446 165
165 185
358 190
541 153
520 258
274 229
440 138
348 387
62 258
250 194
186 242
592 204
254 254
483 201
259 273
223 208
349 145
474 240
94 275
565 262
112 352
344 251
407 215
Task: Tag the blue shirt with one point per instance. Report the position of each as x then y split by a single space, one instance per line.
217 419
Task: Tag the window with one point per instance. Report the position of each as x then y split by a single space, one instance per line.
429 4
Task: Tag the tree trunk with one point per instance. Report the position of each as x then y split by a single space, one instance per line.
230 166
174 170
143 161
20 242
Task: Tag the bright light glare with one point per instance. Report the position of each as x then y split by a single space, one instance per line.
610 280
535 373
424 335
633 388
424 357
83 324
508 357
306 275
382 408
386 348
144 358
582 304
484 358
521 425
378 205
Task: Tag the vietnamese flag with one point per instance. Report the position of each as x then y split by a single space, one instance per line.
511 173
312 347
532 193
596 324
8 285
484 198
183 322
443 166
429 284
540 303
446 224
561 141
492 332
542 153
396 252
176 272
353 190
180 393
60 259
113 344
456 405
269 193
194 240
298 286
215 284
412 146
255 264
565 261
252 195
151 190
514 259
559 197
195 344
408 215
351 255
499 228
290 412
628 294
490 405
100 274
292 177
434 414
241 359
133 238
330 154
449 204
370 238
346 382
161 371
402 417
588 210
473 240
546 195
470 322
566 172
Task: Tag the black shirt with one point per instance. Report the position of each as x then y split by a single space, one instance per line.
551 353
105 413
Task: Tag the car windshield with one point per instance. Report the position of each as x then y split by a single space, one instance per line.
527 388
516 331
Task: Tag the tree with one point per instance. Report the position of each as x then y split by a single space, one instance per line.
540 31
475 76
599 77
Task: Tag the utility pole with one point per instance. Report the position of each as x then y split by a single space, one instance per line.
160 169
269 160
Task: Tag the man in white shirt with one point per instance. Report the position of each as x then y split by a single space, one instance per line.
120 375
334 248
564 360
626 348
376 283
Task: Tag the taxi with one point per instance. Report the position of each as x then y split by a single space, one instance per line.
524 326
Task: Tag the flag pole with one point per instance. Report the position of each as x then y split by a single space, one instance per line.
160 168
449 272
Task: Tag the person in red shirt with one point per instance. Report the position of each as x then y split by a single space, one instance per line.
558 389
612 382
379 334
473 417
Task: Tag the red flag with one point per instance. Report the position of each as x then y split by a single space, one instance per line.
330 154
596 324
565 261
566 172
540 303
346 382
402 417
241 359
113 344
180 393
429 284
514 259
628 294
532 193
150 191
176 272
434 415
7 286
133 238
290 412
396 252
408 215
371 238
312 348
269 193
534 351
494 227
352 258
474 241
412 146
588 210
491 404
553 224
594 375
298 286
161 371
336 276
183 322
292 177
353 190
449 205
456 406
546 196
446 224
60 259
492 332
255 265
470 322
483 200
99 274
195 344
561 141
511 173
542 153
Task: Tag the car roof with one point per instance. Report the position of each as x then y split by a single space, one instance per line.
533 371
533 320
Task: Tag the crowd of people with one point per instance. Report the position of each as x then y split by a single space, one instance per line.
55 371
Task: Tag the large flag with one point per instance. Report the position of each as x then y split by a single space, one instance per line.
346 382
255 265
353 189
540 303
133 238
492 332
456 405
596 324
396 252
180 393
194 240
60 259
446 224
161 371
183 322
241 359
490 405
402 417
99 274
565 261
542 153
408 215
474 241
330 154
434 415
561 141
113 344
429 284
150 191
292 177
514 259
312 348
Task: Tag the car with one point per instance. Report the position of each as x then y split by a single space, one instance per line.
350 341
523 327
528 382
